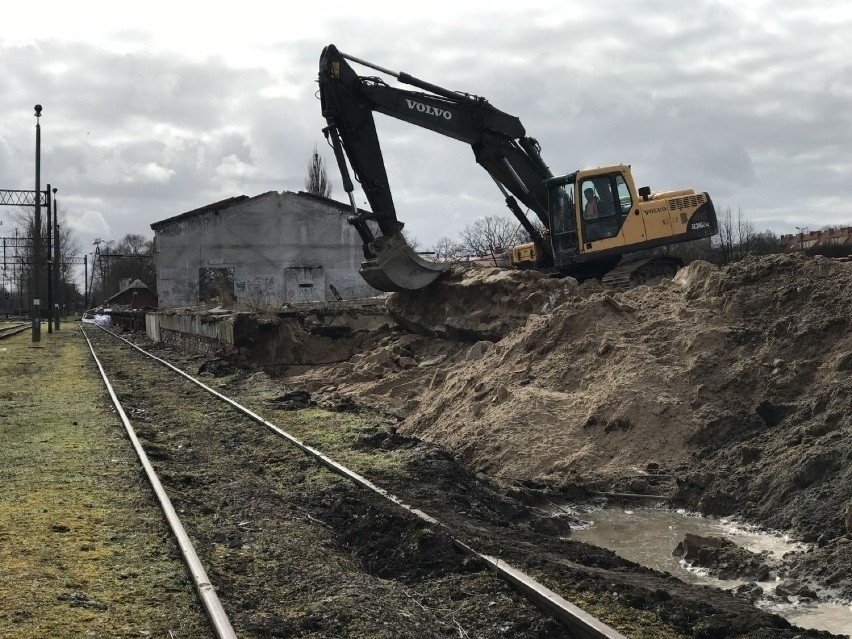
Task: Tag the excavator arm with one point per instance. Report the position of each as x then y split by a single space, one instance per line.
498 140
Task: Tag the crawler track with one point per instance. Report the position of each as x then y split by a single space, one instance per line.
576 623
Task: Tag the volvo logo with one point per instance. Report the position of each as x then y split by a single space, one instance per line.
429 109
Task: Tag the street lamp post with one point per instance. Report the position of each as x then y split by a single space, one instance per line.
36 266
85 283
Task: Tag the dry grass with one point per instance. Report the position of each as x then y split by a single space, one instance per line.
84 551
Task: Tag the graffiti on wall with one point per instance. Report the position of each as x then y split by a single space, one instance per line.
216 283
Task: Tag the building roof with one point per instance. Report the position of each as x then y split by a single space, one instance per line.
837 236
239 199
327 200
135 285
216 206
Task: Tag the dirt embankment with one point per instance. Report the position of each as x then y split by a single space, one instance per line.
734 383
737 380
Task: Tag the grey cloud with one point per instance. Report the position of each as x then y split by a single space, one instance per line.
702 94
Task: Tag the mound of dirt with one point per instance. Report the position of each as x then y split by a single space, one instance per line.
736 380
723 558
826 567
479 304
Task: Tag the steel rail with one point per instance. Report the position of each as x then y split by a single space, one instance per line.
215 612
13 330
584 625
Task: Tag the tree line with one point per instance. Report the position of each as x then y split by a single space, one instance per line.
81 279
17 264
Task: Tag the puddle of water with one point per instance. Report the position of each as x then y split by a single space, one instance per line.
648 536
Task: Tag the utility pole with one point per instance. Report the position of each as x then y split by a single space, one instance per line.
96 260
49 264
20 279
85 283
36 267
56 258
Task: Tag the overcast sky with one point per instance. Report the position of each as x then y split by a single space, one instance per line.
152 109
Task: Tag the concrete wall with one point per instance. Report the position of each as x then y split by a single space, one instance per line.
192 332
304 334
275 248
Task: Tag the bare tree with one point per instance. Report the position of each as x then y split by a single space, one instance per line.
701 249
18 262
745 234
68 294
133 244
488 236
130 258
737 237
736 234
412 241
447 250
316 182
725 217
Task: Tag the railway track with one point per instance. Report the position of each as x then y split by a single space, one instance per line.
9 331
252 488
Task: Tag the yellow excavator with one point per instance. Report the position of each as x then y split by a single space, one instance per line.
590 223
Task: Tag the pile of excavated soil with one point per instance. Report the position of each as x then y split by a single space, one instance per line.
733 381
737 380
479 304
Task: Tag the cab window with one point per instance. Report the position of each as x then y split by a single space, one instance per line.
602 207
590 201
625 200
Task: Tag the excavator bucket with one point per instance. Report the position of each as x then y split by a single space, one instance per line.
397 267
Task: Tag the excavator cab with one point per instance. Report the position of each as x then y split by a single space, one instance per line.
597 218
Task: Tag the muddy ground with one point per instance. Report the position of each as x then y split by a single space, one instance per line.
726 390
296 553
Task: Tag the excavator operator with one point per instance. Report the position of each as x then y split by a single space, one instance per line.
591 208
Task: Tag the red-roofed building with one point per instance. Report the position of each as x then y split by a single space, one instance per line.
811 239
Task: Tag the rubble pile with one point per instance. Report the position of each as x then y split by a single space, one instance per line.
735 380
